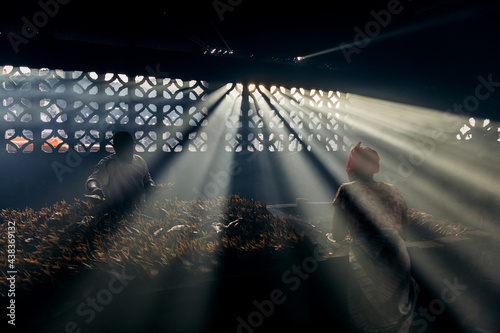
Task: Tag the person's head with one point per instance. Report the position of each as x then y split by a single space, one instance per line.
123 143
362 163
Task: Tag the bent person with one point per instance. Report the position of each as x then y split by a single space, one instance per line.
122 177
381 293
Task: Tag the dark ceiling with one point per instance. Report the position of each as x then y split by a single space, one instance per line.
428 50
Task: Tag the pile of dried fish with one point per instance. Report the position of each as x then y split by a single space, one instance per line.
63 240
318 222
424 226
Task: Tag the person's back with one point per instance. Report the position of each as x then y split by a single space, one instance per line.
381 291
122 177
372 205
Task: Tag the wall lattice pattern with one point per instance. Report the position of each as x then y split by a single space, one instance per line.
53 111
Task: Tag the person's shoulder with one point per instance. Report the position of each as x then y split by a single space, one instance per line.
107 159
139 159
391 187
384 184
348 184
347 187
352 186
344 192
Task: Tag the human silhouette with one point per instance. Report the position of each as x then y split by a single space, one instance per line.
381 292
122 177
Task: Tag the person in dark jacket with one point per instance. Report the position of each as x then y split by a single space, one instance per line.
122 177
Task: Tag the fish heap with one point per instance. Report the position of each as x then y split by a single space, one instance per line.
163 237
424 226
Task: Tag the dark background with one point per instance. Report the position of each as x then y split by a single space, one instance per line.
429 54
